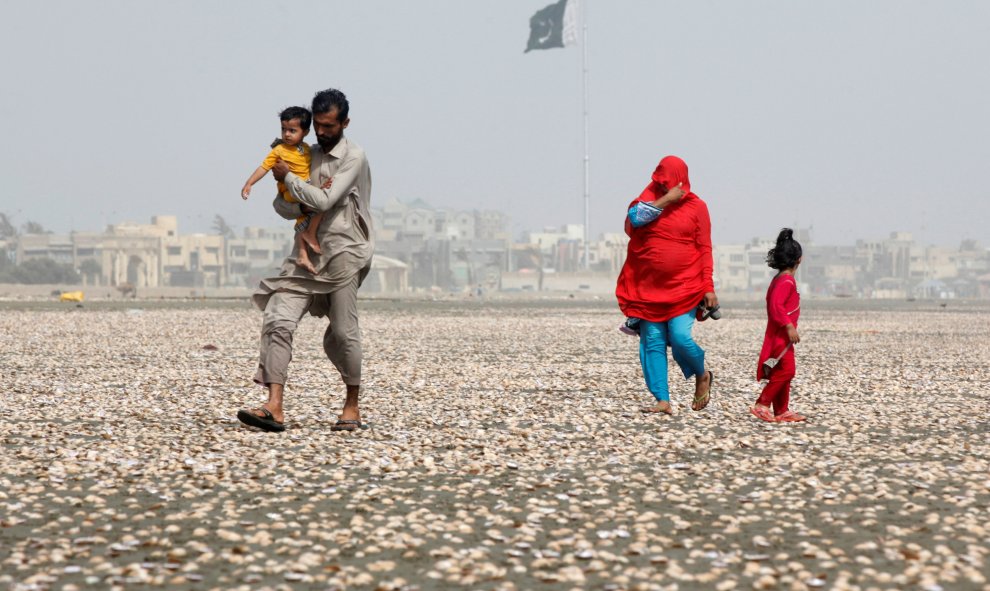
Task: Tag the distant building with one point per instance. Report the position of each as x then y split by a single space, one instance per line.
257 253
831 270
133 255
442 248
387 276
561 248
420 247
731 267
894 267
608 254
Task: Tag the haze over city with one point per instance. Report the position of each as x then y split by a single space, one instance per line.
855 119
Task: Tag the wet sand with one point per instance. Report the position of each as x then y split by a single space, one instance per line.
505 450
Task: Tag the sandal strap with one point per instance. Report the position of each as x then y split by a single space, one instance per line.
707 394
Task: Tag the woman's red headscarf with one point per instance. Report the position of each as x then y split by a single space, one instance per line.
668 266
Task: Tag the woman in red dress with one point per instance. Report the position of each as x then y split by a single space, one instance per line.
667 273
783 311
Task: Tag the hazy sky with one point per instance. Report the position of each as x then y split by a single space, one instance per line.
854 117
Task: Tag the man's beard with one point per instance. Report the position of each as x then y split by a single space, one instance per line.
326 142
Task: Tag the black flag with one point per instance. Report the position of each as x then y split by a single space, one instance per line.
546 27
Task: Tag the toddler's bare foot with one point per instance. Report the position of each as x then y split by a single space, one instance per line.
312 242
303 261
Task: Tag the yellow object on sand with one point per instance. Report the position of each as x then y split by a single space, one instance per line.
71 296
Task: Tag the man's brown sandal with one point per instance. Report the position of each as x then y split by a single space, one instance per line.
347 425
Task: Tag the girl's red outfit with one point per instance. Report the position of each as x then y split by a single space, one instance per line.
668 267
783 308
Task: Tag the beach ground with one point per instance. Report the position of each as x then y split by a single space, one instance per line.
504 450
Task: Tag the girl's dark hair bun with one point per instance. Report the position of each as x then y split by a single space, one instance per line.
786 253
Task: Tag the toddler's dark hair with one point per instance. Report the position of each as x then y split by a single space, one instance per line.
786 253
300 113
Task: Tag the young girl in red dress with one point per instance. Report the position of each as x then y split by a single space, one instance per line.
783 310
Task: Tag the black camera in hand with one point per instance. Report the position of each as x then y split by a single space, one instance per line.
704 313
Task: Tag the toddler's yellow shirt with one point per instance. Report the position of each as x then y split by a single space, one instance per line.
298 159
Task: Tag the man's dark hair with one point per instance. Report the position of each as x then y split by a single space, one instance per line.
330 99
786 253
300 113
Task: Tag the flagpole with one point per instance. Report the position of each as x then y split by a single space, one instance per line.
587 156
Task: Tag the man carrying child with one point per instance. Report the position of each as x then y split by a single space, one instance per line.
340 185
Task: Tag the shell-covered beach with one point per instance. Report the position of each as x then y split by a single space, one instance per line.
504 450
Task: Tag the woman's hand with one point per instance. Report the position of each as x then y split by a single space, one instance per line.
711 300
669 197
792 333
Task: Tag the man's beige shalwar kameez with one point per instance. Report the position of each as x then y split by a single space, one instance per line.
347 245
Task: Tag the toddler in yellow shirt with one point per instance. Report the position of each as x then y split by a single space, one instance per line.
293 151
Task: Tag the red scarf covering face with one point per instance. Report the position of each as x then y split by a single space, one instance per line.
668 266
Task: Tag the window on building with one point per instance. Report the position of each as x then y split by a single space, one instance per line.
258 254
238 251
174 251
736 258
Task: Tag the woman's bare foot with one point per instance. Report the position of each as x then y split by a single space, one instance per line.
661 407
